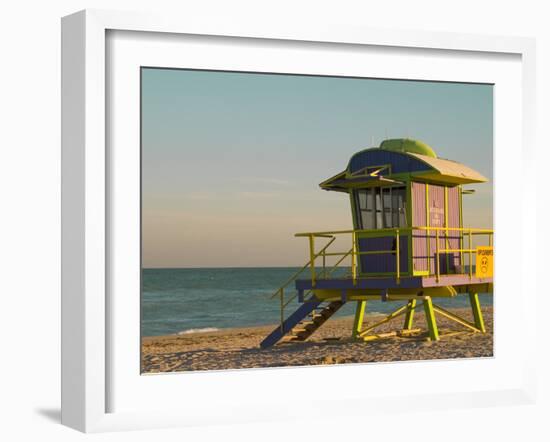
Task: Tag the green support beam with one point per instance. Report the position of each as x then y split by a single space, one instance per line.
359 315
410 314
430 319
476 310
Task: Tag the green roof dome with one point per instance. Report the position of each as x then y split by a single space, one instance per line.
408 145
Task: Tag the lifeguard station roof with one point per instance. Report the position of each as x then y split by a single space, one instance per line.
399 160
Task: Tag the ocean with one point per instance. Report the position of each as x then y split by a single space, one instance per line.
187 300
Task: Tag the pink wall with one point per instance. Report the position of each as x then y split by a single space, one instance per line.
419 245
436 202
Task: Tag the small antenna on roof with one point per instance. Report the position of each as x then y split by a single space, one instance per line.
372 140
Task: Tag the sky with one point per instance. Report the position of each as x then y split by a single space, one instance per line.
231 162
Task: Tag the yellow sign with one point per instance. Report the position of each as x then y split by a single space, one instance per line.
484 262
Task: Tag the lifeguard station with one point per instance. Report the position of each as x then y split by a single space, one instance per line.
408 245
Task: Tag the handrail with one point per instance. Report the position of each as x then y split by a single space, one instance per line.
391 229
291 279
354 253
281 290
334 267
437 232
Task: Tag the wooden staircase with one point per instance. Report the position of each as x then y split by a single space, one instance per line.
301 324
311 323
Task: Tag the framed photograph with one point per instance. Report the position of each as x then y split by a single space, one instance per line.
250 214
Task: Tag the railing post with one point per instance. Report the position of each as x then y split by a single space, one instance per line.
353 258
470 250
312 258
398 260
461 246
437 254
428 251
282 296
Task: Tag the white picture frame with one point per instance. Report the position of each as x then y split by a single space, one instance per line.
86 315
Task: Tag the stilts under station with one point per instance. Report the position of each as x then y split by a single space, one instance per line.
408 246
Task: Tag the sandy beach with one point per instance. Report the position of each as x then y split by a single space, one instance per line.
331 344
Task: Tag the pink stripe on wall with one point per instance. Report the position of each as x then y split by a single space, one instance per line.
453 203
436 201
424 259
420 259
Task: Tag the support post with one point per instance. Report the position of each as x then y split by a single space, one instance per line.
411 305
359 315
476 310
430 319
312 258
282 295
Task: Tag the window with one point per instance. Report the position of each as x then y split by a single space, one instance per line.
381 207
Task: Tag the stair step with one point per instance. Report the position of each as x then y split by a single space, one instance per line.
309 328
305 321
299 330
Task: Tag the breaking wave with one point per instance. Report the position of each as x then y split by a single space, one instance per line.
198 330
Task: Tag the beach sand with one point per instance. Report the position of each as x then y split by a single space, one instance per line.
239 347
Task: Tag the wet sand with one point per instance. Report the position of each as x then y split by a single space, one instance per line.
331 344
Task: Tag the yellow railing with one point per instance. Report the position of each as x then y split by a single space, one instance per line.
281 291
353 253
437 233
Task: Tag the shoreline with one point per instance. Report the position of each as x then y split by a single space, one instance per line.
197 331
233 348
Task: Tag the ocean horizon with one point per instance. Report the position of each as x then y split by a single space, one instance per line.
187 300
